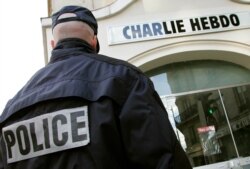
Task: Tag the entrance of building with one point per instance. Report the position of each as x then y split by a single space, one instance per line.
208 104
213 126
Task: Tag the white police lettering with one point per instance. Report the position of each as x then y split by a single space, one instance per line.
48 133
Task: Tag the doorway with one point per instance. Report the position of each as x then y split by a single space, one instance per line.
212 126
208 104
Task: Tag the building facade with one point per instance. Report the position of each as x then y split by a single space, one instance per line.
197 53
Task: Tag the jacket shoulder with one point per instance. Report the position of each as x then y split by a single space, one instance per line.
119 62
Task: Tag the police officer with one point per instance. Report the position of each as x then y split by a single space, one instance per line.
87 111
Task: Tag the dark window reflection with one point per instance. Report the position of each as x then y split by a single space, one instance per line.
237 103
201 119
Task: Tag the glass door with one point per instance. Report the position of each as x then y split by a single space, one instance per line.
213 126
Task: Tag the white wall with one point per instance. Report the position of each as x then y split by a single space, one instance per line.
134 52
143 52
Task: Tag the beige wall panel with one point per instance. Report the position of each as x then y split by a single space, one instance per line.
141 52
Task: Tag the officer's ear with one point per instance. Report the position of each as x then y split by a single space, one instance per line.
94 42
52 43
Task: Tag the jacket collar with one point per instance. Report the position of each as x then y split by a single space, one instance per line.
68 47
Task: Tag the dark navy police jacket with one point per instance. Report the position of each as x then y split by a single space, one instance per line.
88 111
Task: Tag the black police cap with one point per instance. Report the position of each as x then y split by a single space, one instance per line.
81 14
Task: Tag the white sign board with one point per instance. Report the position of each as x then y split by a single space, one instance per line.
179 27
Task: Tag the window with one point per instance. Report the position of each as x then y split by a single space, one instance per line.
204 131
211 109
197 75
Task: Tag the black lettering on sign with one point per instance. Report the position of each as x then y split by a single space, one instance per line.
36 146
171 28
214 22
10 141
45 134
234 20
224 21
195 24
23 139
166 28
55 129
204 23
76 125
180 26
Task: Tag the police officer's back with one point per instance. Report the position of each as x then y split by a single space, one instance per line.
87 111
